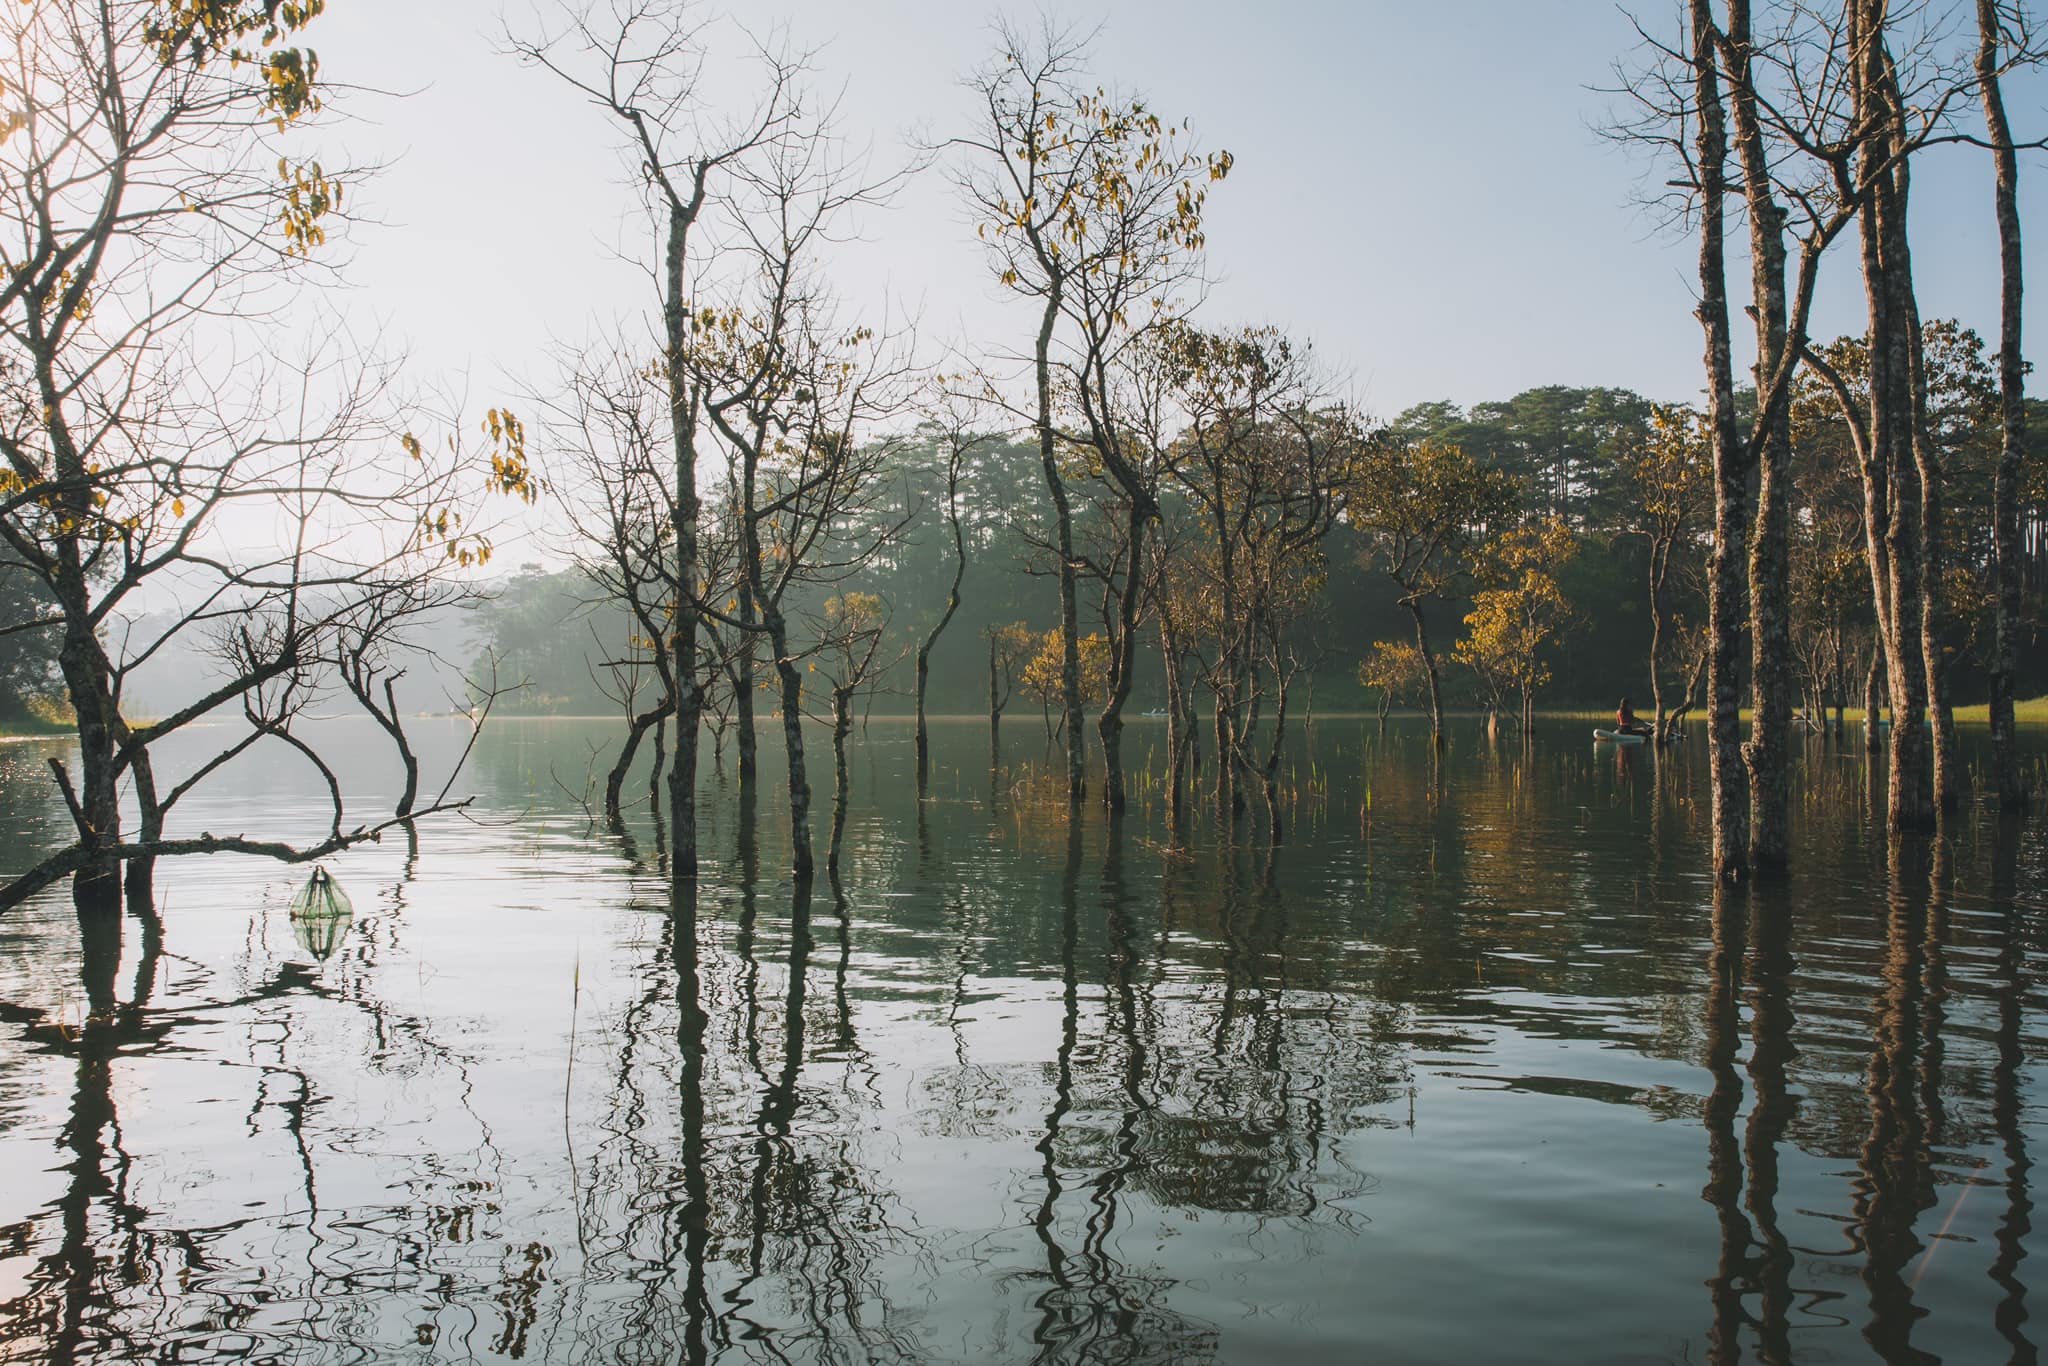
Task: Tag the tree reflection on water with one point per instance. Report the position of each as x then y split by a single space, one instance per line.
1001 1085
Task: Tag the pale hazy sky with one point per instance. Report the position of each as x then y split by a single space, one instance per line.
1418 187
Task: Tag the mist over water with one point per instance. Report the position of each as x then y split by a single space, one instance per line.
1475 1065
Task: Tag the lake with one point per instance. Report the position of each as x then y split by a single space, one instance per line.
1475 1065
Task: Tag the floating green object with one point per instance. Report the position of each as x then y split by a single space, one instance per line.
322 936
321 899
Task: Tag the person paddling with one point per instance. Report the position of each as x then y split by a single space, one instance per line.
1626 722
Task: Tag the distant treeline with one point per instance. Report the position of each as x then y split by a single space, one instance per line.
1578 455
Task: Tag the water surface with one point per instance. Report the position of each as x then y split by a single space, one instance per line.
1475 1065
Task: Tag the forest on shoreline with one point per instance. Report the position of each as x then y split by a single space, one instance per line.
1592 444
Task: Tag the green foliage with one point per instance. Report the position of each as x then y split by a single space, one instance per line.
28 654
1394 670
1424 507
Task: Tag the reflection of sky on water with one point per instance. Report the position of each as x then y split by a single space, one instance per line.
1450 1071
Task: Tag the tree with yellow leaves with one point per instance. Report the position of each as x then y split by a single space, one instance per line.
1517 613
1424 508
1090 205
1044 677
641 63
1394 671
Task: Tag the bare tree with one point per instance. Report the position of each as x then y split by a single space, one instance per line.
642 63
794 392
1009 649
607 431
952 426
161 215
1668 478
1261 459
850 634
1424 509
1092 209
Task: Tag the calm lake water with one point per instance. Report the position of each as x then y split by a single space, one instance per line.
1474 1067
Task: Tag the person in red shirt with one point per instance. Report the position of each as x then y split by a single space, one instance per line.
1626 722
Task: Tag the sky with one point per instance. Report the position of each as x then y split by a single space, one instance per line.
1419 188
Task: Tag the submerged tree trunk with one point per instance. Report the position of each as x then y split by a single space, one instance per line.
689 690
615 781
1841 688
842 726
1228 801
1767 755
139 875
1270 773
654 773
995 708
1887 290
1063 517
1660 565
96 808
924 651
1946 758
747 745
1110 725
802 863
1178 717
2007 552
1436 695
1728 588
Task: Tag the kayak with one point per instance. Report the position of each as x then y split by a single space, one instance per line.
1618 737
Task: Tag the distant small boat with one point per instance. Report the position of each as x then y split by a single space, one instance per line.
1618 737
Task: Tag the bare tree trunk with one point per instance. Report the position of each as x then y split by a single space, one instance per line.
924 651
654 771
1841 688
1177 718
2007 552
1947 761
747 745
1228 801
995 707
1110 725
1070 621
139 876
1883 227
1767 757
1873 699
1436 695
689 699
1270 775
615 781
1660 558
1728 588
96 888
802 863
842 726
